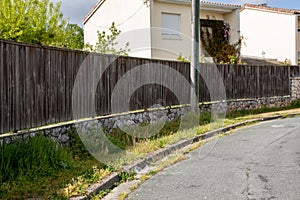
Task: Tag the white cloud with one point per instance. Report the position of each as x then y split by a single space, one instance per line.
75 10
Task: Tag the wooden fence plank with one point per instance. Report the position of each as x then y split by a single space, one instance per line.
17 111
2 89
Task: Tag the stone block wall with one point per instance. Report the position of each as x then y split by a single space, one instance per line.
57 133
295 88
60 132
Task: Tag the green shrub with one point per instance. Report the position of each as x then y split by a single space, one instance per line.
76 146
295 104
37 156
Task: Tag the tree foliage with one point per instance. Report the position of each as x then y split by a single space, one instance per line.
39 22
74 37
107 43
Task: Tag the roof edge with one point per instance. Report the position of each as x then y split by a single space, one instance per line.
270 9
203 3
92 11
227 5
206 3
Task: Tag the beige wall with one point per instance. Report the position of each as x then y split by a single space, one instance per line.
170 48
205 14
234 20
163 48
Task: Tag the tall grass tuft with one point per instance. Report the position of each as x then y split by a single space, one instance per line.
34 157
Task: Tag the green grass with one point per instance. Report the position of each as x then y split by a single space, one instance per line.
36 155
123 140
38 168
138 147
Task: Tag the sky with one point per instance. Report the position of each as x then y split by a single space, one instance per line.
75 10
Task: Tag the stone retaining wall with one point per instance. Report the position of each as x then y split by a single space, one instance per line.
60 132
295 88
254 104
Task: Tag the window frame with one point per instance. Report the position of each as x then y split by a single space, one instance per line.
169 33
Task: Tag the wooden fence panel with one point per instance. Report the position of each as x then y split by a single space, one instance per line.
6 92
36 83
2 105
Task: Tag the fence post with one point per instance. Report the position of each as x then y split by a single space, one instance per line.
195 55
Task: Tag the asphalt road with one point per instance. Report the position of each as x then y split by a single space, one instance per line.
258 162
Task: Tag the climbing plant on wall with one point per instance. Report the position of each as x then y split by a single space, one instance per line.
215 39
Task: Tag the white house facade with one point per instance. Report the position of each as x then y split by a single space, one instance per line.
270 33
127 16
159 29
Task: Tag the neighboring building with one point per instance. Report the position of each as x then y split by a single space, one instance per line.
270 33
159 29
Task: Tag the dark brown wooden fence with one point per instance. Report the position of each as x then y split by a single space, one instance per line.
36 83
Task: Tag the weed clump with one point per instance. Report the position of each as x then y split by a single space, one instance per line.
37 155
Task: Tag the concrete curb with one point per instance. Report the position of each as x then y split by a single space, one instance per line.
138 165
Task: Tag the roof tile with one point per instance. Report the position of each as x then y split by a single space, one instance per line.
267 8
220 4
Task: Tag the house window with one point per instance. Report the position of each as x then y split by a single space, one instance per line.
170 25
298 55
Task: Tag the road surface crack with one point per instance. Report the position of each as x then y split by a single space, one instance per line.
247 186
263 178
